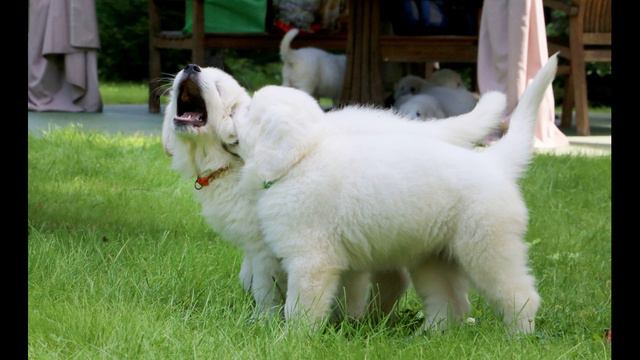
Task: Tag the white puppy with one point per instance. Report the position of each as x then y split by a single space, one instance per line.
331 202
452 101
408 85
447 78
412 84
314 71
199 130
421 107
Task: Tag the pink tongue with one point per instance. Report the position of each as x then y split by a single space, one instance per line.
190 117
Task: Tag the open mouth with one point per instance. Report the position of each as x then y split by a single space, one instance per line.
192 110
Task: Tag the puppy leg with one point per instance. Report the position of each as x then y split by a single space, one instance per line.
443 288
246 273
312 285
497 266
306 84
267 280
388 287
353 295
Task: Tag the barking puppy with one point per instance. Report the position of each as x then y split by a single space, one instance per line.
199 131
331 202
314 71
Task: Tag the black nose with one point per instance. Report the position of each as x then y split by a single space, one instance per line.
191 68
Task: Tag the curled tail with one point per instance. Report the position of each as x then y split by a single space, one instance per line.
467 129
515 149
285 44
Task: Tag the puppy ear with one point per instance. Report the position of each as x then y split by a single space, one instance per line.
285 126
282 144
226 128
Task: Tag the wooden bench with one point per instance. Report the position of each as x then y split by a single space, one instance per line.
364 46
589 41
198 41
367 48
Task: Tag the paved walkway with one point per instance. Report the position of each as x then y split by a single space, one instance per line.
113 119
136 119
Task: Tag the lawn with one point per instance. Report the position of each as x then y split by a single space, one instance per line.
138 93
121 265
125 93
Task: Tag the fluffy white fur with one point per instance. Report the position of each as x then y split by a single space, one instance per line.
421 107
412 84
312 70
231 211
447 78
452 100
342 202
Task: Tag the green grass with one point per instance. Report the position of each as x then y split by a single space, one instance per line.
121 265
126 93
137 93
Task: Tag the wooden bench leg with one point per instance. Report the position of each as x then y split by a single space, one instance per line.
567 104
429 68
579 83
578 74
363 79
197 50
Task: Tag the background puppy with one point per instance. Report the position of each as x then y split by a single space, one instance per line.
445 86
346 202
421 107
314 71
447 78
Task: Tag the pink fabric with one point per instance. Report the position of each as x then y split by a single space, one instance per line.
63 44
512 48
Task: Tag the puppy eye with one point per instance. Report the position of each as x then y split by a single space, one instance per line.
412 90
418 114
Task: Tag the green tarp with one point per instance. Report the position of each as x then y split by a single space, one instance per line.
230 16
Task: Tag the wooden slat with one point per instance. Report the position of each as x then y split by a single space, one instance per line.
597 15
429 48
597 55
596 38
268 41
178 40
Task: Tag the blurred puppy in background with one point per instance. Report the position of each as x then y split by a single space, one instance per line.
312 70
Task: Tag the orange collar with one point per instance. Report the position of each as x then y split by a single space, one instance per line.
202 181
